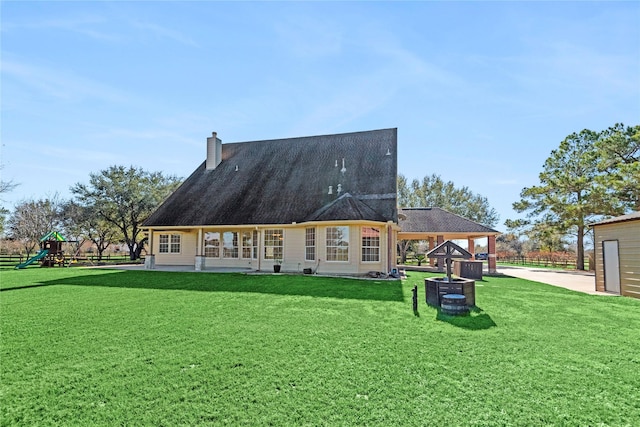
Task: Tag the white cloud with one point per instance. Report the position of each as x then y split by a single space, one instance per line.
164 32
67 155
86 25
60 84
396 69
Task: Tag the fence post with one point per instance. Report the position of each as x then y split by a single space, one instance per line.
415 299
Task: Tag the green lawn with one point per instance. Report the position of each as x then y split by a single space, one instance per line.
108 347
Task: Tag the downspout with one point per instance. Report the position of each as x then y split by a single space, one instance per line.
259 248
389 252
151 241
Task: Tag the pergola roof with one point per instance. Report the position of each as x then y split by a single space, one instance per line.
422 223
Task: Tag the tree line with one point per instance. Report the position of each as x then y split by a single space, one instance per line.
110 208
115 202
590 176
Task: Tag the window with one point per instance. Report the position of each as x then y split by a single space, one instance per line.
230 244
174 247
169 244
310 244
337 243
370 244
254 253
273 240
212 245
247 244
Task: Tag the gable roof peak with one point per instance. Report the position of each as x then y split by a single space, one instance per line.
281 181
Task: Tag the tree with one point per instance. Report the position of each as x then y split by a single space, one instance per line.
567 199
82 223
125 197
33 219
619 161
432 191
509 243
404 246
5 187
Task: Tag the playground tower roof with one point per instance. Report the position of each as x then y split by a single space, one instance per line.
53 235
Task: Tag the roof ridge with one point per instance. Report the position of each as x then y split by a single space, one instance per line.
313 136
355 204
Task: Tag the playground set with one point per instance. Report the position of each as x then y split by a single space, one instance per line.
51 252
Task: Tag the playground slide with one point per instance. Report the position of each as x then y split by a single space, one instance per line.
43 253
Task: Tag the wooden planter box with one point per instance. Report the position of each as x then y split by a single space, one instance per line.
435 288
468 269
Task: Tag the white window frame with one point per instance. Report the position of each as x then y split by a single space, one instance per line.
254 247
230 248
310 244
213 250
337 239
273 243
370 246
247 243
172 245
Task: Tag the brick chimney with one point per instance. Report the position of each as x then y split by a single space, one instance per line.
214 151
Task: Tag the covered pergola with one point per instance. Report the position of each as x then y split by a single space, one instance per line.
436 225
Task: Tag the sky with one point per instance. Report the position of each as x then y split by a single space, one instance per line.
481 92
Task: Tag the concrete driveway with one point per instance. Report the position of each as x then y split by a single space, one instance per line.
581 281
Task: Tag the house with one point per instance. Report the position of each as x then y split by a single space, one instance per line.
437 225
617 255
325 203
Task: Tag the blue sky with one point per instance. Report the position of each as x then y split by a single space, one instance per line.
480 92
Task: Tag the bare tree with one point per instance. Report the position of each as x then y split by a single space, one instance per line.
33 219
84 223
5 187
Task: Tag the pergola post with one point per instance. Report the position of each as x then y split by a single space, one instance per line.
491 243
440 240
432 245
471 246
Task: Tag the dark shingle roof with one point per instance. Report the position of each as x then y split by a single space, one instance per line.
345 207
429 220
287 180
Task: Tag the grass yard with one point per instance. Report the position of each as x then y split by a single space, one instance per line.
108 347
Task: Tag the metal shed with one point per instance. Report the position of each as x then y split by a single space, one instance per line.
617 255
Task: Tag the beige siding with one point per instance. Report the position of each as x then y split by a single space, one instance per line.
293 250
355 264
187 249
221 261
339 267
628 236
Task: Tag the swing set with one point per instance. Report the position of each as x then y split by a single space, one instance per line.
51 253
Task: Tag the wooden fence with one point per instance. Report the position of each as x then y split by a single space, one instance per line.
538 261
12 260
